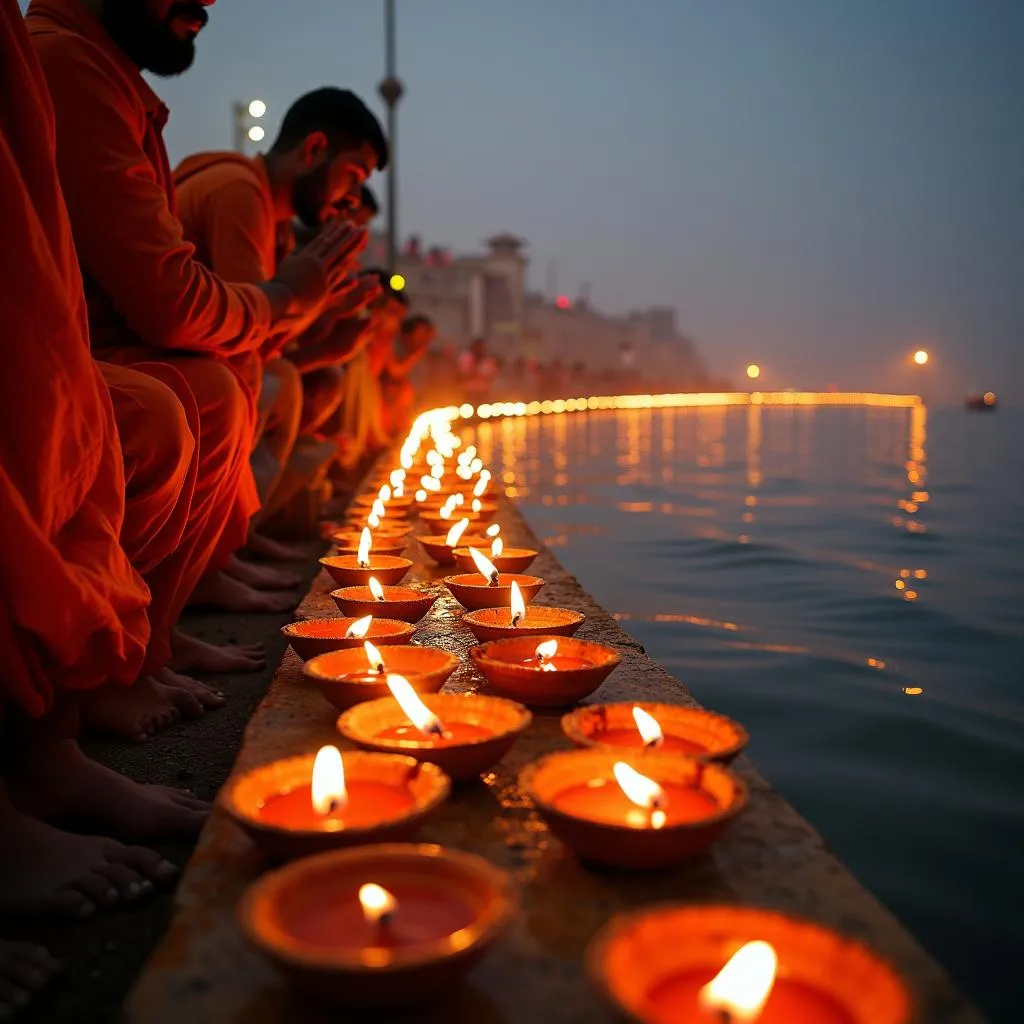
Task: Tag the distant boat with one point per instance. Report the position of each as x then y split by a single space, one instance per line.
981 403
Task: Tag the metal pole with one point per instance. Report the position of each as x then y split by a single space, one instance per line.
239 112
391 89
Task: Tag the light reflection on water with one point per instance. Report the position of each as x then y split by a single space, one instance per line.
846 583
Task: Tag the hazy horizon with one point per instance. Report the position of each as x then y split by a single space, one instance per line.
819 187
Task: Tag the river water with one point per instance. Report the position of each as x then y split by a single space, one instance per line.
846 582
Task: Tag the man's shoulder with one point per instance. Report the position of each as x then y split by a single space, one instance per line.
221 174
68 56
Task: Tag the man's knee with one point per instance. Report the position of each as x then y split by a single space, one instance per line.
156 437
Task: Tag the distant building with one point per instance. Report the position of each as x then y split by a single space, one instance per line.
484 295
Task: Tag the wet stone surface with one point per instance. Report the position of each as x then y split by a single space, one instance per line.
204 972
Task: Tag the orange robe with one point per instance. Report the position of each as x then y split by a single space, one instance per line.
72 608
149 299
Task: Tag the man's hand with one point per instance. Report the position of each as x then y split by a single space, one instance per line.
311 275
353 295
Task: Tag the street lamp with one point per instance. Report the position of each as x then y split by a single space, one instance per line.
246 114
391 90
753 371
921 357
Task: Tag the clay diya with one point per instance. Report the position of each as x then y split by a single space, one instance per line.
686 964
488 588
464 734
348 677
519 620
318 636
665 727
379 925
511 560
402 603
355 570
544 671
441 548
630 810
308 804
347 542
439 523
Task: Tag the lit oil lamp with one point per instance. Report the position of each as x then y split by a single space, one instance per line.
685 964
378 925
355 570
401 603
489 588
441 548
632 810
349 677
383 543
439 519
551 673
306 804
519 620
464 734
666 727
510 560
318 636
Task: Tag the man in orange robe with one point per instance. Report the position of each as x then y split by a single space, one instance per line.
149 300
238 212
73 611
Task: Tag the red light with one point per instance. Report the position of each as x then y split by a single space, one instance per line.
563 302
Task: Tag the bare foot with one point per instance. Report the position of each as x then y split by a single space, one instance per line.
231 595
191 653
56 782
135 713
24 969
208 698
46 871
262 577
273 550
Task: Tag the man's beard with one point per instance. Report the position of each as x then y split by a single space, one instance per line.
151 45
309 196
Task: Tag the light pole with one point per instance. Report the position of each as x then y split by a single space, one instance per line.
391 90
245 116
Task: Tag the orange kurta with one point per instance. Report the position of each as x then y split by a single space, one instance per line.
227 213
72 608
149 298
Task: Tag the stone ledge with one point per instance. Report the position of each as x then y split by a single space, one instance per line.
203 972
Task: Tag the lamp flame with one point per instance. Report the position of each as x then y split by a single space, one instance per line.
377 903
384 493
415 710
376 589
359 628
378 508
373 520
642 791
456 532
481 486
445 512
742 986
518 606
477 505
397 477
650 731
406 461
545 652
421 495
476 465
328 791
365 543
373 657
437 471
485 567
493 530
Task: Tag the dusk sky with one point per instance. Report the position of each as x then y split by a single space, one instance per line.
817 185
